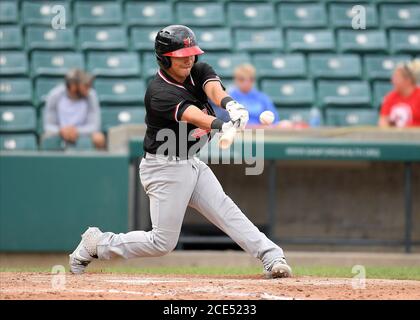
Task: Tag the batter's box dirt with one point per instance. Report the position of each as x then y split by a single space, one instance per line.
125 286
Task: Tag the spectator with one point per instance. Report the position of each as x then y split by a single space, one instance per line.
72 110
401 106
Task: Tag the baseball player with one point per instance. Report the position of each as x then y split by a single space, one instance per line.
174 179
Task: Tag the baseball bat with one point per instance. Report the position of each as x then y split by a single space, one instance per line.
227 138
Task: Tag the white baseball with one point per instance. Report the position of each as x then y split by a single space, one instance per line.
267 117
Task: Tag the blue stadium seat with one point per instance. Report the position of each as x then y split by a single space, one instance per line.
341 15
302 15
335 66
17 119
362 41
43 86
47 38
142 38
42 12
258 40
15 90
289 93
13 63
148 13
97 13
251 14
280 65
9 12
297 115
343 93
54 63
113 64
405 41
224 63
380 90
214 38
149 65
15 142
351 117
120 91
115 116
205 14
310 40
102 38
382 66
10 37
400 15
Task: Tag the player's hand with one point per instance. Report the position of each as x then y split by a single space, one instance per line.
238 112
227 126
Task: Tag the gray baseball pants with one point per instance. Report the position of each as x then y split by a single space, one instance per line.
172 185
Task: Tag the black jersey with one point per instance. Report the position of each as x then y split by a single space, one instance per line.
166 100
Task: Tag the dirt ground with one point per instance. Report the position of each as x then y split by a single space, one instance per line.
128 286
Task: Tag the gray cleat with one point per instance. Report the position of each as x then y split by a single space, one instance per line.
85 251
279 269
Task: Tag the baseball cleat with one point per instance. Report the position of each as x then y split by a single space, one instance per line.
279 269
85 251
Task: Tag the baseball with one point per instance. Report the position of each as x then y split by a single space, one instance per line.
267 117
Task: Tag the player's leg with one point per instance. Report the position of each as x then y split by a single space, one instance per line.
169 186
211 201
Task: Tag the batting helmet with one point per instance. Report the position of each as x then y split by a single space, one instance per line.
175 41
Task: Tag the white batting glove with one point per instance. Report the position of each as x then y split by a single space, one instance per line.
238 112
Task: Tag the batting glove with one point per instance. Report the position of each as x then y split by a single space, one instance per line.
237 112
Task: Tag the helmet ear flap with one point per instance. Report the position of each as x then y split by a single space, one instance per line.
195 59
163 61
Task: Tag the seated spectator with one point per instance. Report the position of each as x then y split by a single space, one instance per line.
72 110
401 106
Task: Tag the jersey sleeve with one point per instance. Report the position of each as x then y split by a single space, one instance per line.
168 105
206 73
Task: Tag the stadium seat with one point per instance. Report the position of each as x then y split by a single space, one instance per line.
121 91
310 40
13 63
55 142
289 93
406 41
251 14
43 86
382 66
200 14
362 41
52 63
332 66
143 39
341 15
97 13
9 12
351 117
306 15
17 119
213 38
47 38
10 37
14 142
380 90
400 15
225 63
149 65
102 38
344 93
280 65
115 116
42 12
113 64
258 40
148 13
295 114
15 90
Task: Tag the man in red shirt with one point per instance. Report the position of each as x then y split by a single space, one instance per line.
401 107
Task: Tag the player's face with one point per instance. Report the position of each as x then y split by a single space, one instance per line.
181 67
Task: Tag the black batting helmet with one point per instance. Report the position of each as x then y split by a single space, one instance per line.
175 41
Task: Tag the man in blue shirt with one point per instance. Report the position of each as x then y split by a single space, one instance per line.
244 92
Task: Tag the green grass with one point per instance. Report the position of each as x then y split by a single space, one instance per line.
398 273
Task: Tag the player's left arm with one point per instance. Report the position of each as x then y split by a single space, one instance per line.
215 92
204 121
